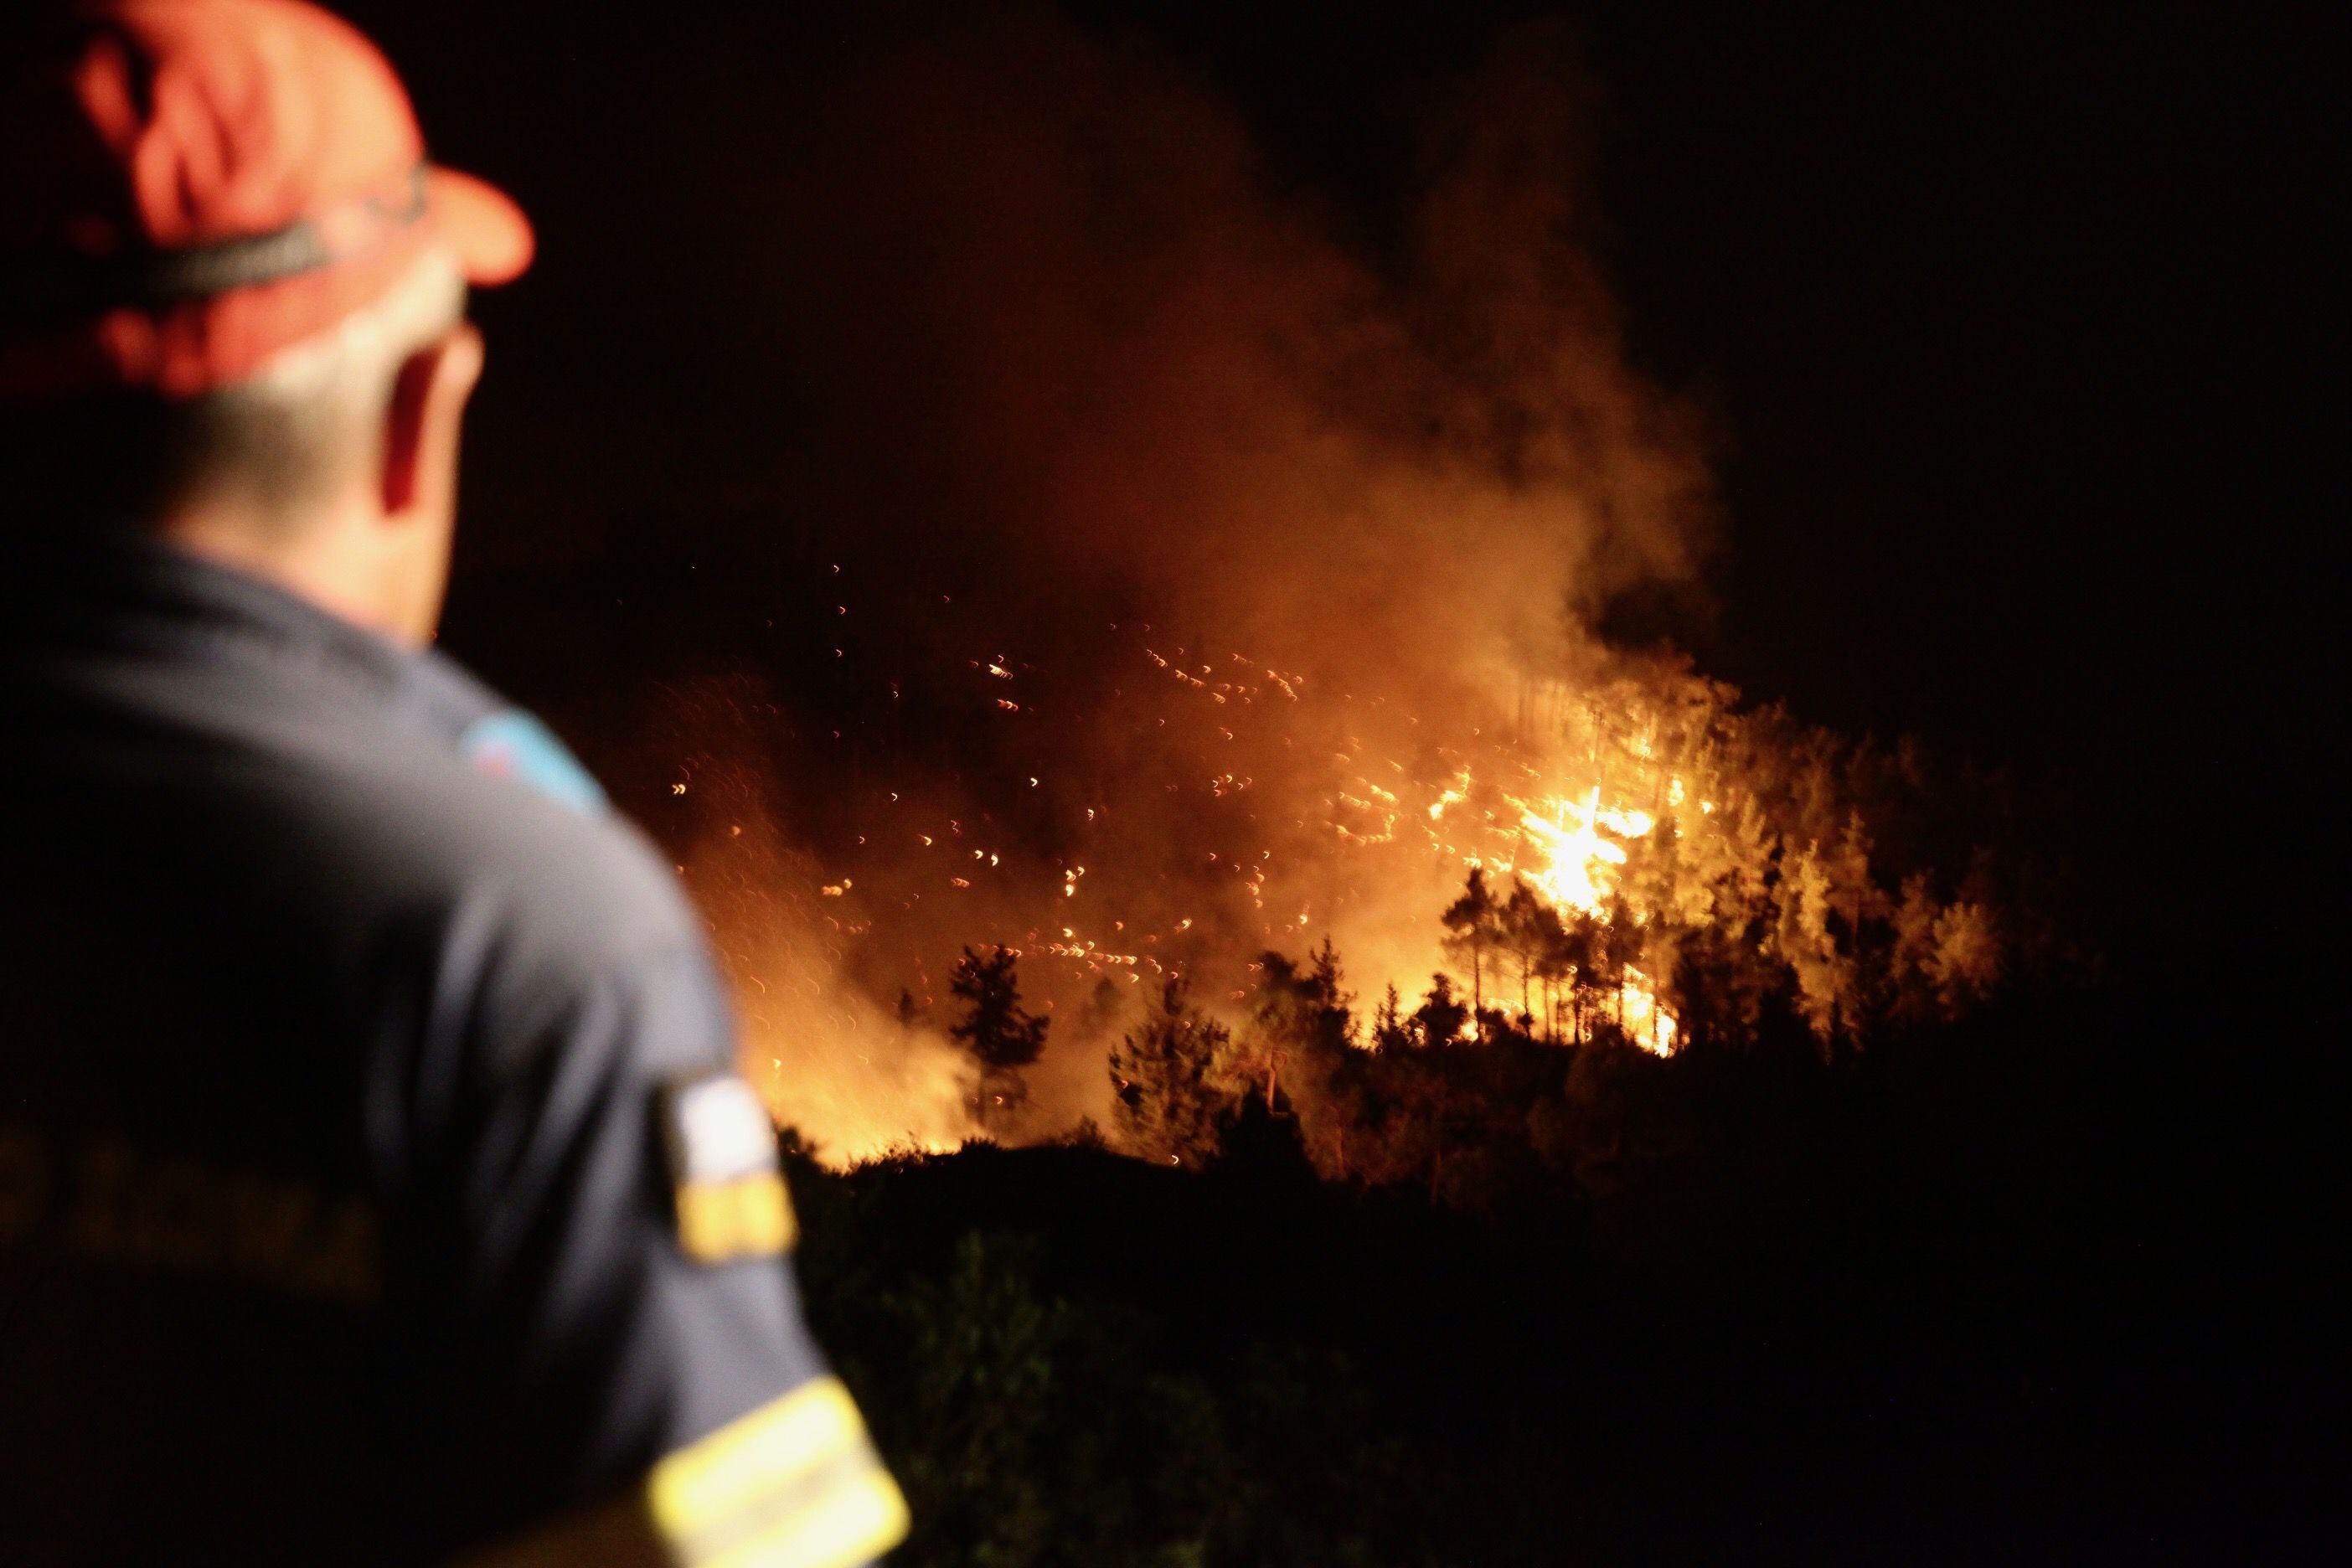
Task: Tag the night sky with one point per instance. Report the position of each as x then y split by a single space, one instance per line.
2006 324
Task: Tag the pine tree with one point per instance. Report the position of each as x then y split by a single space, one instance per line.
1164 1106
1304 1032
1000 1037
1592 979
1563 953
1621 944
1390 1031
1521 923
1473 918
1439 1019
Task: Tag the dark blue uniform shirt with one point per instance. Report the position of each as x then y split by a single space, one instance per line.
351 1206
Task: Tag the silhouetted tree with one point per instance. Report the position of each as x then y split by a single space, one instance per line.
1523 921
1390 1032
1439 1019
1164 1106
1565 951
1474 920
1711 995
1301 1026
1000 1037
1621 945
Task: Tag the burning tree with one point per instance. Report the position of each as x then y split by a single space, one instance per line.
1001 1037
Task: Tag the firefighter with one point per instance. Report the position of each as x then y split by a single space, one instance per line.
376 1184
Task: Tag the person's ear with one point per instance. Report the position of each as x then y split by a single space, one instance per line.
422 424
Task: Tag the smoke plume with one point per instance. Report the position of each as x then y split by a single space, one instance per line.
1173 557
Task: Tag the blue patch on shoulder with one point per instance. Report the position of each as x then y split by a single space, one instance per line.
511 744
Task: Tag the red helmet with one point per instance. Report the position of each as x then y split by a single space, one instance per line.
194 185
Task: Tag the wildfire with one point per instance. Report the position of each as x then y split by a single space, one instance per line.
1566 844
1610 828
1570 867
1284 556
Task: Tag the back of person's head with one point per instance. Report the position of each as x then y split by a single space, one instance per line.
278 445
232 290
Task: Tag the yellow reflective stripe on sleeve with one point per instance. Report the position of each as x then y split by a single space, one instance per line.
748 1217
856 1522
794 1484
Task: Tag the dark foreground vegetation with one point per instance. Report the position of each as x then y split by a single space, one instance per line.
2025 1290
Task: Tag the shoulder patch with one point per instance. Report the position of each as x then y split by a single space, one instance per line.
511 744
731 1197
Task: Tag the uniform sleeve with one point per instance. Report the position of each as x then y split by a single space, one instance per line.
628 1374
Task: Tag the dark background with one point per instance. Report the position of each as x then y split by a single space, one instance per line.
2007 320
2008 323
